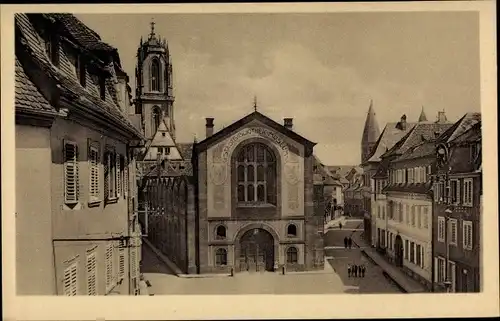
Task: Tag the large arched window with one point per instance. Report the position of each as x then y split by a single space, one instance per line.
155 75
155 119
291 255
256 175
221 257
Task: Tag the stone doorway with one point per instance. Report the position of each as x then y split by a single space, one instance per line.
256 251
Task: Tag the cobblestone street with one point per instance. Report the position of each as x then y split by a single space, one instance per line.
332 280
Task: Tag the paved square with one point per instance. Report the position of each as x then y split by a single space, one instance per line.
329 281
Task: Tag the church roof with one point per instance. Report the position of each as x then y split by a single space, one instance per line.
371 131
247 119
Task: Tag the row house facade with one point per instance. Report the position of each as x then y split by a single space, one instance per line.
391 134
402 205
352 195
457 207
76 229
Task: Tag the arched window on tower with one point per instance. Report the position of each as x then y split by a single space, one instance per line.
256 175
155 75
155 119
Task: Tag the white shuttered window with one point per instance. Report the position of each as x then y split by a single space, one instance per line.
70 282
109 266
71 181
91 274
121 263
467 235
94 178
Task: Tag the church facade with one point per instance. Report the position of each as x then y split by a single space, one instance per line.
242 199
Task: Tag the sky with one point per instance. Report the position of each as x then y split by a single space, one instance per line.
322 69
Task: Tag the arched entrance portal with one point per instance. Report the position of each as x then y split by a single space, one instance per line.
398 251
256 251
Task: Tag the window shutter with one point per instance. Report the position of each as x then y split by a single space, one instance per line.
106 175
133 266
109 266
118 175
70 282
91 274
125 177
122 263
71 188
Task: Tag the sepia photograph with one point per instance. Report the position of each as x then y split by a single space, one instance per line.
250 153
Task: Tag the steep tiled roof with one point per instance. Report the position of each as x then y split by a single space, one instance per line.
420 133
31 42
85 36
421 150
341 170
473 134
186 150
460 127
27 94
390 136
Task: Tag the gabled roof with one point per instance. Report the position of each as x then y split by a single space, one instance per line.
472 135
204 144
460 127
391 134
421 132
341 170
27 94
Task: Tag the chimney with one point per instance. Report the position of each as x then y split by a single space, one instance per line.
209 126
441 117
288 123
402 123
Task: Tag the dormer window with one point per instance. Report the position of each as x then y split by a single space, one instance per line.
51 46
102 87
81 70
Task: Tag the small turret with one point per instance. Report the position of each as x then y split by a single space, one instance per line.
423 117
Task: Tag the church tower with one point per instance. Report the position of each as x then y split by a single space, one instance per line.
371 134
154 86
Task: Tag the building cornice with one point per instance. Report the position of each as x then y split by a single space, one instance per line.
36 118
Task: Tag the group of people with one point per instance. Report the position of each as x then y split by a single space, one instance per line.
347 242
356 270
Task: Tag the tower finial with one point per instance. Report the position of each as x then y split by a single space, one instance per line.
422 117
255 103
152 28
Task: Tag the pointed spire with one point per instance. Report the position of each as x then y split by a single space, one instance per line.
371 132
422 117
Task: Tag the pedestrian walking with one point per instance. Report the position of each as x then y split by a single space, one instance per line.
345 242
340 225
355 270
364 270
349 270
349 242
